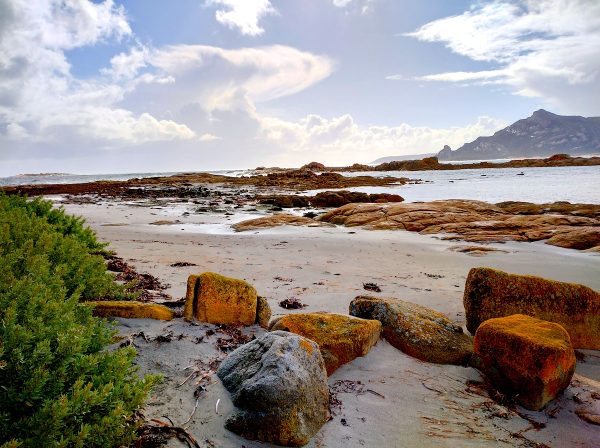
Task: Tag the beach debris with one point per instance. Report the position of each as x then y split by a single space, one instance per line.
181 264
588 417
347 387
279 385
131 309
526 358
283 279
371 287
492 293
151 288
155 433
292 303
433 276
217 299
416 330
340 338
235 340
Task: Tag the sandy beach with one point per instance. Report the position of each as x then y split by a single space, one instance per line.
387 398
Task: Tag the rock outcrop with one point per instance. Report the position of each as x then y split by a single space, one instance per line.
328 199
567 225
279 384
490 293
130 310
528 358
340 338
218 299
279 219
416 330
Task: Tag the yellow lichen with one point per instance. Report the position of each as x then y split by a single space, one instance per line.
527 357
126 309
218 299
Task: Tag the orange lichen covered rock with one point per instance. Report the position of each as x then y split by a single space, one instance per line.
491 293
528 358
217 299
122 308
341 338
416 330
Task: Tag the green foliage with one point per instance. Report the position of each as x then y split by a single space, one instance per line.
59 386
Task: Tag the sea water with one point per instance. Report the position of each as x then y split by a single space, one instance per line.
576 184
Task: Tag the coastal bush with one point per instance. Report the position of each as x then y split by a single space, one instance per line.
59 385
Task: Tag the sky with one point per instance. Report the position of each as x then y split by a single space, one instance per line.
189 85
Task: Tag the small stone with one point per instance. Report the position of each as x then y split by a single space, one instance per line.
263 312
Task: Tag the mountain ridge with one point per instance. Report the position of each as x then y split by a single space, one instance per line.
540 135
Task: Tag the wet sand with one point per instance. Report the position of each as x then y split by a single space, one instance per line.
424 405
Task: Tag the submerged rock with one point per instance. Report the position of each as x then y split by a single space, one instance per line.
129 309
491 293
416 330
340 338
528 358
218 299
279 384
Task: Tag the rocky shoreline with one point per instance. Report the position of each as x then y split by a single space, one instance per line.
574 226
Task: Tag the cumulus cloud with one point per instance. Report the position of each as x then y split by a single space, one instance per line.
40 100
242 15
331 140
542 48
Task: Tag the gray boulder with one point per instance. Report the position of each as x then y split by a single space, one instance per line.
278 382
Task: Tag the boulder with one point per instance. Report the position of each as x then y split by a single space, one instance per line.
127 309
528 358
340 338
416 330
491 293
279 384
218 299
263 312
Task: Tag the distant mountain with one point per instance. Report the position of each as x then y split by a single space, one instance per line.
401 158
541 135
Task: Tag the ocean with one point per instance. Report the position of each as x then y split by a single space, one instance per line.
537 185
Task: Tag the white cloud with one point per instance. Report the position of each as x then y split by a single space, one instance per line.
362 6
242 15
208 137
340 140
543 48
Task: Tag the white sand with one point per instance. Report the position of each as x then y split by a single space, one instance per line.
424 405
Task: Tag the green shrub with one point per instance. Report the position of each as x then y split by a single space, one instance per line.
59 385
